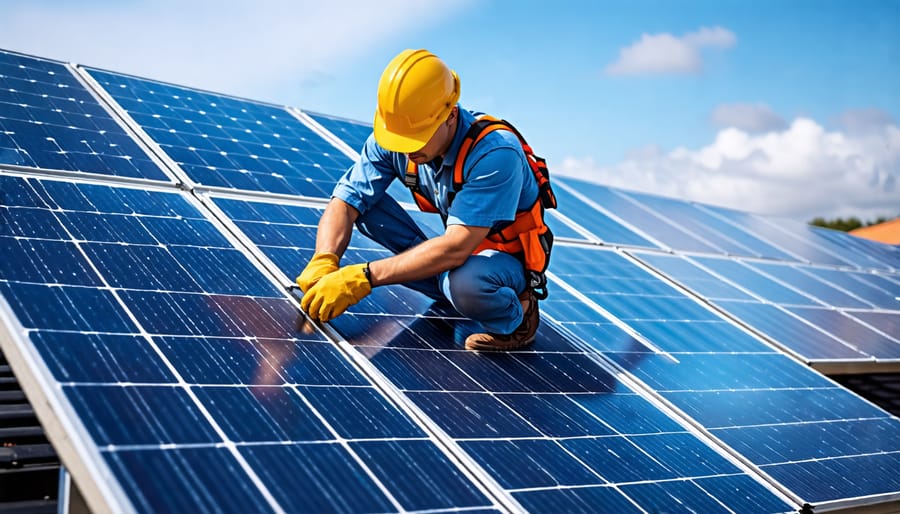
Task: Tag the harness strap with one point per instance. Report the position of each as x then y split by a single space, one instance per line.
527 235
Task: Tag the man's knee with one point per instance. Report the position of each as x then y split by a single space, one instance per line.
468 292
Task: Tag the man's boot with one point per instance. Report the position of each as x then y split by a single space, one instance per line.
522 336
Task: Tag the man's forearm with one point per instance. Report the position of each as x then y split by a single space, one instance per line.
335 227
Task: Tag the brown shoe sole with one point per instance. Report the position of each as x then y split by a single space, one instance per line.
532 311
496 348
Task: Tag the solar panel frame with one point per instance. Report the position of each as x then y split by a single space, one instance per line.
58 419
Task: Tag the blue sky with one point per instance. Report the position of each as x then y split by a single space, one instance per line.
779 107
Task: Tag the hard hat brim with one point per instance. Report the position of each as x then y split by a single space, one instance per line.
402 143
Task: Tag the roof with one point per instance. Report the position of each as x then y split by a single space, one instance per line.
887 232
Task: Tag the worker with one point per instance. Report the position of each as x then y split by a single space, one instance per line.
418 132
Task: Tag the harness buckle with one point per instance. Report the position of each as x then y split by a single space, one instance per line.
411 180
537 282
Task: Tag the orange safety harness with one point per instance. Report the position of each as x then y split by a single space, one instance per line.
527 235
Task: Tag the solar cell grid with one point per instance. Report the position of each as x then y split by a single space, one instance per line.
727 239
549 424
663 232
537 420
351 132
220 141
176 353
862 252
796 305
744 394
49 120
603 227
810 244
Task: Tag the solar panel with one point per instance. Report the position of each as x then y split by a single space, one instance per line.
172 356
733 385
863 252
810 316
724 237
227 142
351 132
174 373
48 119
812 244
663 233
583 211
550 424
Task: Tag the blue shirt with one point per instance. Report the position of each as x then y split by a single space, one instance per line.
497 180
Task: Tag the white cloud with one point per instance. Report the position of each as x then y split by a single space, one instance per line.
801 172
245 47
753 118
716 37
668 54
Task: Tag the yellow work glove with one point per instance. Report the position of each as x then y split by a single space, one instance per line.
320 265
336 291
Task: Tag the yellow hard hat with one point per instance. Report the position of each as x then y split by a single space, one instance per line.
416 93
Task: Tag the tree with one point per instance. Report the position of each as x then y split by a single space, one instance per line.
845 225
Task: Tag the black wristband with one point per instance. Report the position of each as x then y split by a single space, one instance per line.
367 273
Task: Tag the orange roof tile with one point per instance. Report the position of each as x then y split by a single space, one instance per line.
887 232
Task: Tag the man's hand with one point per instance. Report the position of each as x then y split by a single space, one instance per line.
320 265
335 292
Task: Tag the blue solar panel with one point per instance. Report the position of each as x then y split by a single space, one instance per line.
175 353
806 243
847 329
663 232
795 305
550 425
740 393
229 142
886 322
866 253
797 278
352 132
806 341
49 120
874 289
602 226
723 236
560 228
